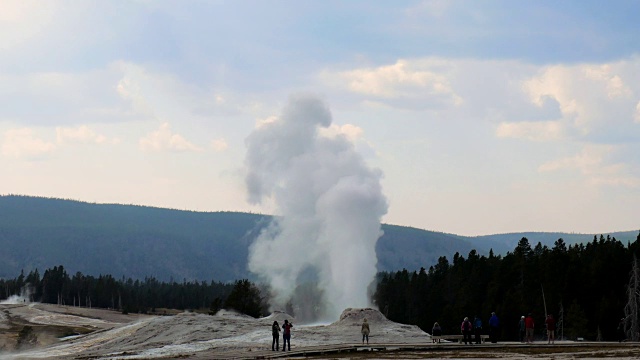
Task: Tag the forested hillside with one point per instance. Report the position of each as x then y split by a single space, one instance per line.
123 240
502 243
138 242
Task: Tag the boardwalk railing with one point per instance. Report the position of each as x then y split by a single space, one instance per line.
458 338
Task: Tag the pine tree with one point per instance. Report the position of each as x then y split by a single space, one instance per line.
245 298
577 321
560 323
631 325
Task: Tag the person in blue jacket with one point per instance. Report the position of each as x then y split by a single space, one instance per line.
493 327
477 328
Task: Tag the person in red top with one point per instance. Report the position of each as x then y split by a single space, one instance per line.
529 325
466 327
286 334
551 329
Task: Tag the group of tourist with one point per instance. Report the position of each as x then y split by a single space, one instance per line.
286 334
527 325
469 328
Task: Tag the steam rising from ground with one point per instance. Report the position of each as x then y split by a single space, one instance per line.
24 297
330 205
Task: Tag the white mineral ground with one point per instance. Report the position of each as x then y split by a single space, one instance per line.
113 335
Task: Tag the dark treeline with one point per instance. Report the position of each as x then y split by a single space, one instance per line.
585 285
55 286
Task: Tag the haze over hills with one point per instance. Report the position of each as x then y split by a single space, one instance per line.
138 241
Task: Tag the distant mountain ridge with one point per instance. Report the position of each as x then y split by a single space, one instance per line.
501 243
139 241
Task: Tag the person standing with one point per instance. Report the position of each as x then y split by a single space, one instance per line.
494 322
275 332
465 327
621 335
436 332
286 335
551 329
477 329
529 326
365 331
521 328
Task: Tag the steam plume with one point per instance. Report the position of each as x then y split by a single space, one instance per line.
330 205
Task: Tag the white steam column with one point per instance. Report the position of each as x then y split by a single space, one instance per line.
329 202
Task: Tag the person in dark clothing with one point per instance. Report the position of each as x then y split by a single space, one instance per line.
436 332
286 335
621 335
466 328
551 329
477 329
521 328
493 327
275 331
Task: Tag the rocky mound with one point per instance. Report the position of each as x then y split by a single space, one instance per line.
279 316
357 315
225 314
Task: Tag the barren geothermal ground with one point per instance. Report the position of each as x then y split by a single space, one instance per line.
43 331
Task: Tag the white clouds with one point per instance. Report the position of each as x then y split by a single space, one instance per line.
531 130
594 164
350 131
588 161
61 98
130 91
385 81
559 107
153 94
596 100
117 92
568 100
558 102
81 134
219 145
164 139
161 94
405 79
604 74
24 143
28 143
266 121
22 20
122 94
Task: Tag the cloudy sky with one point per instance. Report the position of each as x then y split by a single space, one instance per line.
484 116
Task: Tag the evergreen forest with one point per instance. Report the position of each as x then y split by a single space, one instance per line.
55 286
584 286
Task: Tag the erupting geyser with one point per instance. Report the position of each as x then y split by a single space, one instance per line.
329 203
